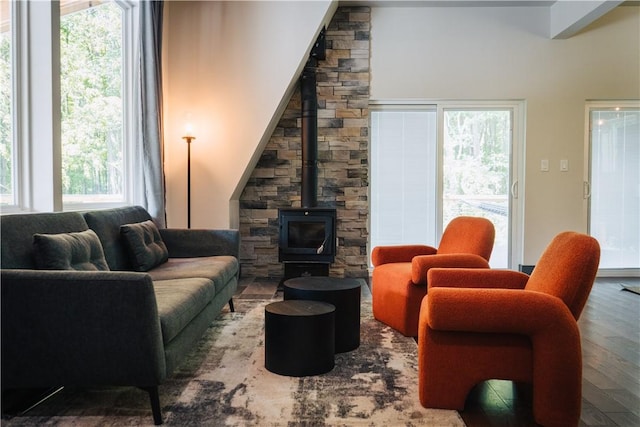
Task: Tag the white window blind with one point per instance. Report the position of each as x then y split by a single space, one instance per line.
403 177
615 186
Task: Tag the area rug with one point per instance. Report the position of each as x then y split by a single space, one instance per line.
224 383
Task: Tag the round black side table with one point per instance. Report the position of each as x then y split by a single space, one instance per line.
343 293
299 338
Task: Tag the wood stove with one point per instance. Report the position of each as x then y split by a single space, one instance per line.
307 241
307 235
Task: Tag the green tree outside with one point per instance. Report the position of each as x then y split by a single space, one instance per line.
91 101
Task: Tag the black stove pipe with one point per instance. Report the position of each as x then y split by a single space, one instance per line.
309 98
309 138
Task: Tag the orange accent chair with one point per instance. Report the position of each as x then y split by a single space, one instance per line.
399 279
477 325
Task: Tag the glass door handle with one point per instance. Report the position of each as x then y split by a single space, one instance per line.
586 189
514 189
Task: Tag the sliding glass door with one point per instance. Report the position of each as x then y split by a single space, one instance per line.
613 187
432 163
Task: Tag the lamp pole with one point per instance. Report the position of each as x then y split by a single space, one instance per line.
188 138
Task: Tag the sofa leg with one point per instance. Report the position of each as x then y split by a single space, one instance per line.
155 404
231 308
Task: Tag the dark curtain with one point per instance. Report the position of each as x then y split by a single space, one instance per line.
151 179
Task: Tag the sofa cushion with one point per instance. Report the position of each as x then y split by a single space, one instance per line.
179 301
106 223
69 251
220 269
144 244
16 249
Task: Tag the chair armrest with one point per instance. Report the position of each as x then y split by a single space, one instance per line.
189 243
496 311
399 253
420 265
79 328
476 278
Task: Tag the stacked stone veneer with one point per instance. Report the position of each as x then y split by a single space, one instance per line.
343 141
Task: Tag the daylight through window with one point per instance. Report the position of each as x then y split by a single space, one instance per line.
91 80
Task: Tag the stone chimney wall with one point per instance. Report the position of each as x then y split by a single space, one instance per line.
343 158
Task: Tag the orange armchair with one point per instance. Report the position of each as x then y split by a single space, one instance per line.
477 325
399 279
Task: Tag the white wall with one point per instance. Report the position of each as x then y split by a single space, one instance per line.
229 68
459 53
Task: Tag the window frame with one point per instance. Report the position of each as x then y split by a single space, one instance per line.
129 122
37 182
17 34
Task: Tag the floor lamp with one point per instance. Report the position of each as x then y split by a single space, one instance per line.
188 138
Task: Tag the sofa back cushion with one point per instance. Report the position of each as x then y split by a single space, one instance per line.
16 248
145 245
106 223
69 251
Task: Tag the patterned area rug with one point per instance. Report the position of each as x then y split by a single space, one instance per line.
224 383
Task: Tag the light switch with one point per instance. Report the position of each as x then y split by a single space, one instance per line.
544 165
564 165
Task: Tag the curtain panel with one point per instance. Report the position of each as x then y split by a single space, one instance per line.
150 180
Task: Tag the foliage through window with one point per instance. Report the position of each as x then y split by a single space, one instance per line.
91 78
476 175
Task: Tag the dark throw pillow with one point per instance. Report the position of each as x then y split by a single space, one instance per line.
145 245
69 251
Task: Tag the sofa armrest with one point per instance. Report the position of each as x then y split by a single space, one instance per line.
188 243
79 328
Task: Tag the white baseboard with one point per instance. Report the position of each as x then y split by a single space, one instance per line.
619 272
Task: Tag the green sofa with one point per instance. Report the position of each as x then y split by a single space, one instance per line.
77 324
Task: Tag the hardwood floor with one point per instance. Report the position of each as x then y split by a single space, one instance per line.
610 328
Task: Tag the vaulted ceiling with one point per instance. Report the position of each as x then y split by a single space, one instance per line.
566 17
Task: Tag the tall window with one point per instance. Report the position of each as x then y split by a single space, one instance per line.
614 214
77 156
92 98
7 150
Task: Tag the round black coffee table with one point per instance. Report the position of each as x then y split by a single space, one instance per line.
299 338
343 293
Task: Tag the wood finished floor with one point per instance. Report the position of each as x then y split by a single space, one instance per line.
610 328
